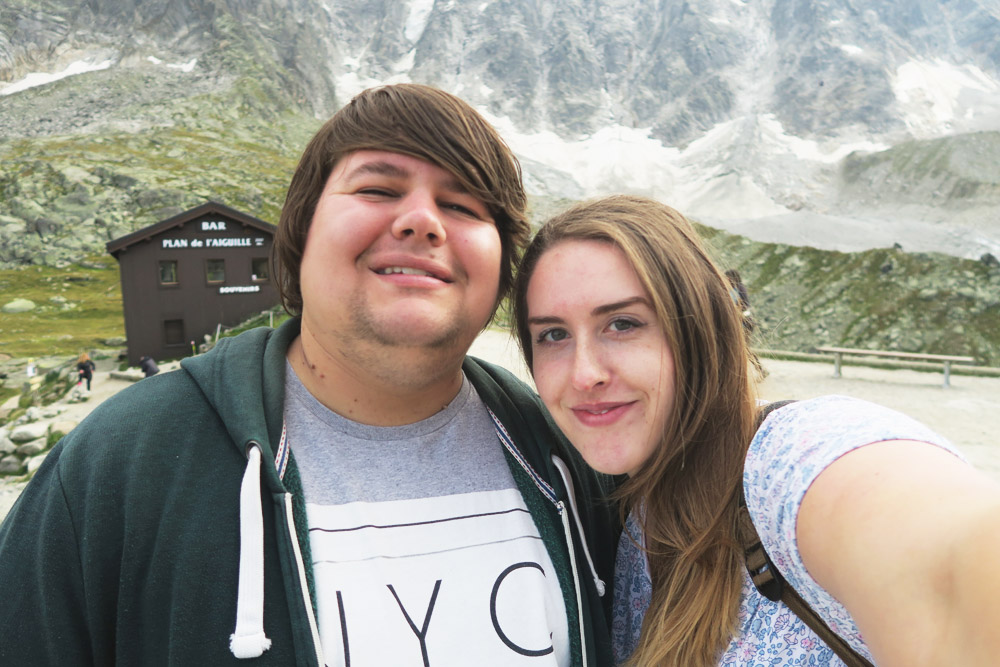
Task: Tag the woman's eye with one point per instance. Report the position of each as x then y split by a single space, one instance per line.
551 336
623 325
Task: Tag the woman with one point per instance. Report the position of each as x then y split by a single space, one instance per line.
637 351
85 369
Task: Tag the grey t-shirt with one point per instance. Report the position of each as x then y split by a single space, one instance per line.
423 550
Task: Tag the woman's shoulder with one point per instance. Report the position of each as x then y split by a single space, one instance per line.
796 442
801 430
790 450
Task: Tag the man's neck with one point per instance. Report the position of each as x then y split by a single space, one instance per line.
388 387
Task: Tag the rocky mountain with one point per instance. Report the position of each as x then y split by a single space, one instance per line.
734 111
838 124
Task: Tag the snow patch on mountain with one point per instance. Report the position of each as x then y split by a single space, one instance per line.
936 96
417 16
183 67
35 79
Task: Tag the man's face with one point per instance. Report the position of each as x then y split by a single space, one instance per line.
398 254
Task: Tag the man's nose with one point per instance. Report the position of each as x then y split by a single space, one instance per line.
420 217
589 369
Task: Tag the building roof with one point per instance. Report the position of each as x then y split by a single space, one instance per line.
122 243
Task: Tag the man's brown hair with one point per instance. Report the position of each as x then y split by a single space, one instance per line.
415 120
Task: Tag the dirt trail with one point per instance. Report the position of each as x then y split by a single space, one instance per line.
102 387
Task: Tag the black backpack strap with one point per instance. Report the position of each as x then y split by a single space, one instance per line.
772 585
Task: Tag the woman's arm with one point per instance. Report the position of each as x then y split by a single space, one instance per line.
907 537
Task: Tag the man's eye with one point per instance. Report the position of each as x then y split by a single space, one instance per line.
375 192
464 210
552 336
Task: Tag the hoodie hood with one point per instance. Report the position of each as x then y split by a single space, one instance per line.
254 412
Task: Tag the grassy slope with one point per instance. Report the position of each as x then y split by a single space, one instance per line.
803 297
91 313
877 299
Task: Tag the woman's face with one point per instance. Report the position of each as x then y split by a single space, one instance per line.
601 361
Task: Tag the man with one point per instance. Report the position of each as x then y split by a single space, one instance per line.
349 489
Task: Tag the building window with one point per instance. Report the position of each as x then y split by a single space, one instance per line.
215 270
173 332
168 272
259 269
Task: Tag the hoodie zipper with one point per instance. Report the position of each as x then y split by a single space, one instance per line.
560 506
303 584
564 515
281 465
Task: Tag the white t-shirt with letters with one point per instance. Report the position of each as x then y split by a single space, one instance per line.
423 550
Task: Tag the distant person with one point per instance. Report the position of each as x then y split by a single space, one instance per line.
148 366
350 488
741 299
85 369
737 290
874 520
31 370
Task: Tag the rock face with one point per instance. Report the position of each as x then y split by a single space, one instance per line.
820 66
214 98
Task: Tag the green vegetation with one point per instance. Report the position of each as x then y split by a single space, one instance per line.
78 307
274 317
63 196
877 299
953 171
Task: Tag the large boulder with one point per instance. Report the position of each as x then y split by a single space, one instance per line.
28 432
11 465
32 448
18 306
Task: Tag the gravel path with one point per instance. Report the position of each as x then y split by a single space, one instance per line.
102 387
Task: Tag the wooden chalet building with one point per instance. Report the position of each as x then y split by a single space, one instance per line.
186 275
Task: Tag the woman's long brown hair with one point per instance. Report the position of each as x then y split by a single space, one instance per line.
689 489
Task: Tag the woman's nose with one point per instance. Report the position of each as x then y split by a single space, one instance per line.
589 370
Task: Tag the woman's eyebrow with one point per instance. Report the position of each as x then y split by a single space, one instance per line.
551 319
618 305
599 310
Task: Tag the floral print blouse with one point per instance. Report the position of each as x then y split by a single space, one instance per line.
792 447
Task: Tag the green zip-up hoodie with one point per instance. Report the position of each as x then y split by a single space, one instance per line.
125 548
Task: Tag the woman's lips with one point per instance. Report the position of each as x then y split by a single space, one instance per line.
601 414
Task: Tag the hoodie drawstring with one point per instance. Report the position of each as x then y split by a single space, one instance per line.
571 494
248 639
